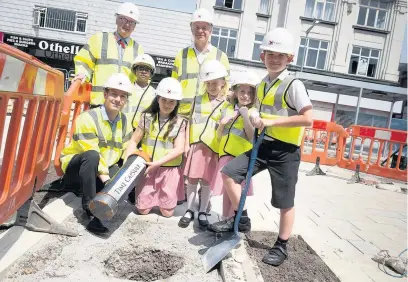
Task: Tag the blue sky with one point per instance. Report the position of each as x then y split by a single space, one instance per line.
190 6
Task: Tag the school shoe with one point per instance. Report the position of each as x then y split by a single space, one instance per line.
276 255
203 222
185 221
95 226
227 225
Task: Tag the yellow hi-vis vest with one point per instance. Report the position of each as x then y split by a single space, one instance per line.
94 133
234 140
100 58
139 101
154 143
186 69
202 127
273 105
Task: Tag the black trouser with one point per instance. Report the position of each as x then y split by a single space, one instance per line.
82 173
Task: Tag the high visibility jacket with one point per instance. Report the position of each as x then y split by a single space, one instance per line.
186 69
234 140
94 133
202 127
273 105
100 58
154 142
139 101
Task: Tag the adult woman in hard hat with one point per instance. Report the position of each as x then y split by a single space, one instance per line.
161 132
107 52
202 155
235 131
189 60
144 68
99 140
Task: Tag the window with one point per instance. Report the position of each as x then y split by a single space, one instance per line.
232 4
316 53
320 9
373 13
364 61
224 39
264 7
256 53
60 19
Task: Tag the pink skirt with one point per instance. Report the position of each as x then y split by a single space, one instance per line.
160 189
217 187
201 162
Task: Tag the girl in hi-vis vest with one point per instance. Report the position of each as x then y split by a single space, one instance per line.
202 146
235 131
162 135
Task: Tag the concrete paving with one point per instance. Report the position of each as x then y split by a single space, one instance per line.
346 224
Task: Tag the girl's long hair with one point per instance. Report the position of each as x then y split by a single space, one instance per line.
154 111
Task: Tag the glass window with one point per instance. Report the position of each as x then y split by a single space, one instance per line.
373 13
320 9
224 39
256 52
264 7
364 61
60 19
316 53
232 4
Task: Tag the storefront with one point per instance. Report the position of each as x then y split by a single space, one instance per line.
60 55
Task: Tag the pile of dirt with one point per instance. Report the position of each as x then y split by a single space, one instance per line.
303 264
143 264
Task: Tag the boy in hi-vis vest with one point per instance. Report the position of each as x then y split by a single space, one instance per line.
285 109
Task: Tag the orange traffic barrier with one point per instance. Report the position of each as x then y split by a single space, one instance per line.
376 151
324 140
30 103
76 100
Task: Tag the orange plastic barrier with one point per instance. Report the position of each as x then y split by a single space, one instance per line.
30 102
76 100
323 140
373 149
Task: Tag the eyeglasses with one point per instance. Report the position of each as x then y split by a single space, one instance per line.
143 69
126 21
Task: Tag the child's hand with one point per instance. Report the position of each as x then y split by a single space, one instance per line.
226 120
152 166
243 111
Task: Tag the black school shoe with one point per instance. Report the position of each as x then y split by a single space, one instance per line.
228 225
185 221
95 226
276 256
203 222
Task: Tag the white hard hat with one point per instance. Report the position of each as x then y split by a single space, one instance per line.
146 60
170 88
119 81
211 70
129 10
279 40
202 15
246 78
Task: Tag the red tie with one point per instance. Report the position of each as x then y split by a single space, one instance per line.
122 44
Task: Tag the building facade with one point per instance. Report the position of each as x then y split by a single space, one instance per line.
54 31
356 39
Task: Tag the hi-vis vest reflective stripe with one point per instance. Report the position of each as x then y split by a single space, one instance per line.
100 58
186 70
156 145
273 105
139 101
91 132
202 127
234 140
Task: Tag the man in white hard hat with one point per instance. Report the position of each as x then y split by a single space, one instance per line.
188 60
285 110
100 137
107 52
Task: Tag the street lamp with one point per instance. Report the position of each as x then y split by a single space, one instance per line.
315 22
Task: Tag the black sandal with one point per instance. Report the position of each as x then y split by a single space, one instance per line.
185 221
203 222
